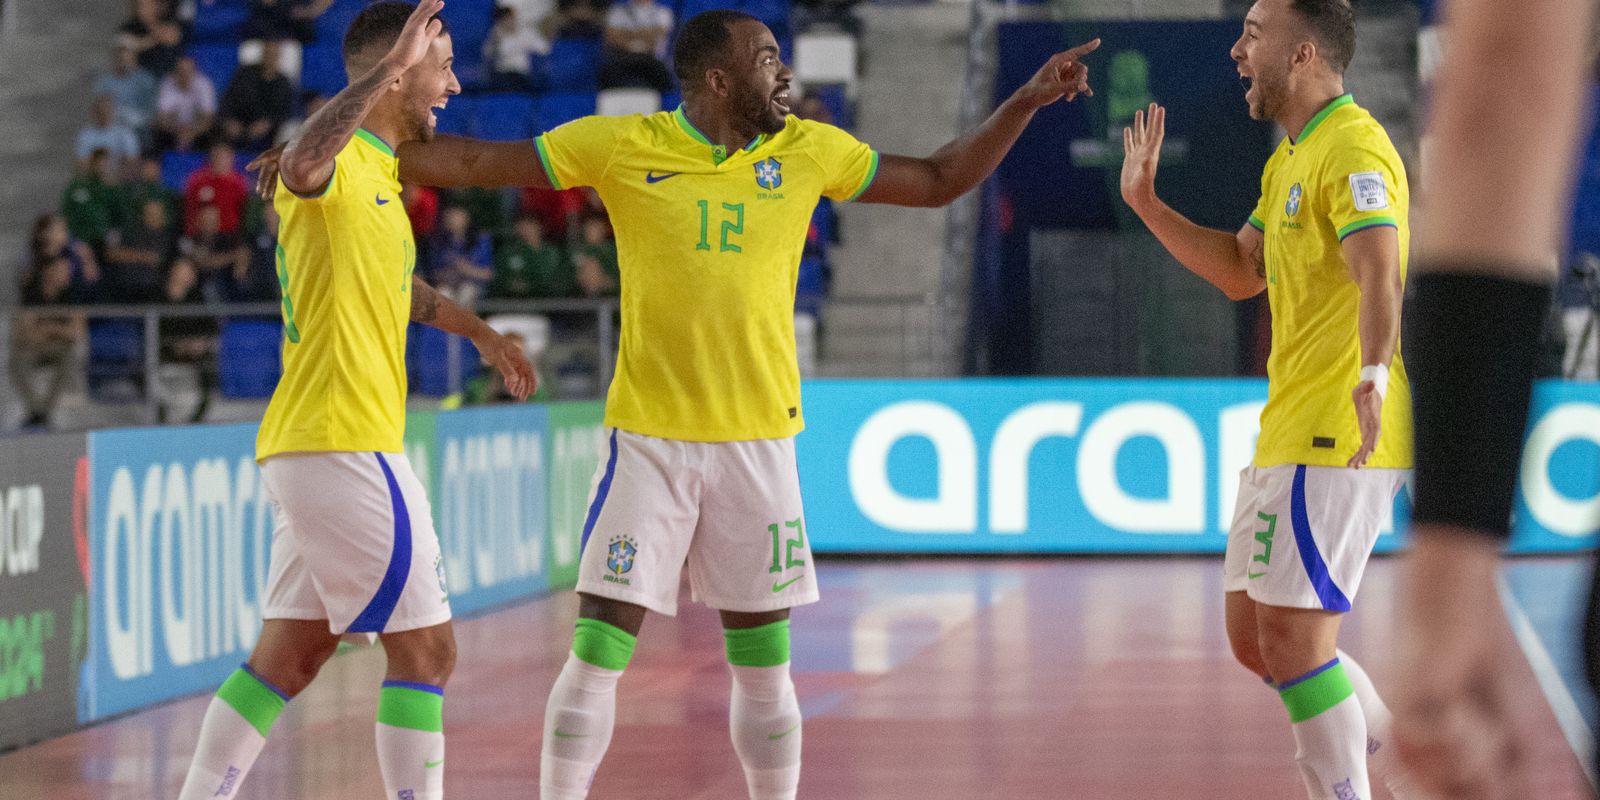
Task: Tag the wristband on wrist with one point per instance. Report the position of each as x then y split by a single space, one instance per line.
1379 375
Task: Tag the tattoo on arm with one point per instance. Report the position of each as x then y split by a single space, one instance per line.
424 301
1258 257
330 129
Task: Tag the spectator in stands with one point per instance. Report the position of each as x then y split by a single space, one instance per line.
212 252
284 19
186 107
131 87
527 266
48 342
422 206
311 103
92 202
219 185
105 133
462 258
509 52
596 259
51 240
258 100
147 185
137 255
575 19
254 277
189 340
556 210
155 34
636 46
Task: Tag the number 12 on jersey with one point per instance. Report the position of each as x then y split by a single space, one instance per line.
732 225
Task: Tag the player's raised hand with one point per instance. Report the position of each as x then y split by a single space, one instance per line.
1141 148
1369 415
505 354
420 31
266 168
1064 75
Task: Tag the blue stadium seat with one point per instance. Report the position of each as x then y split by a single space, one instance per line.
812 286
249 358
217 61
219 20
574 65
504 117
322 67
837 101
557 109
470 21
176 168
116 353
429 360
456 117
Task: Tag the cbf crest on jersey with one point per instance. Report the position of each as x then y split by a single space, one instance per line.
1293 206
769 174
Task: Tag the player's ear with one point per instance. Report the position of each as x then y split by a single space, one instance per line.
1305 53
717 81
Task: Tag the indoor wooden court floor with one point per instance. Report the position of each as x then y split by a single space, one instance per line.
1102 679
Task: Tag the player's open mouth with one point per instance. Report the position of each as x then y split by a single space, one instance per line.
433 119
780 101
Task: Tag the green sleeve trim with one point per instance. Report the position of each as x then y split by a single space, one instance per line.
544 161
761 646
1255 222
602 645
1317 694
1370 222
872 174
320 193
254 700
402 707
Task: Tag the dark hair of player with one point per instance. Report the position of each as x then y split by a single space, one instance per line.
703 44
1333 24
377 26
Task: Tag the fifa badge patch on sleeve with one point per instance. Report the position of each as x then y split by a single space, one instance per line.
1369 191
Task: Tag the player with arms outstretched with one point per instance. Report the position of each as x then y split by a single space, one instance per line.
353 550
1327 243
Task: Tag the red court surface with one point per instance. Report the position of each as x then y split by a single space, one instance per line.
1103 679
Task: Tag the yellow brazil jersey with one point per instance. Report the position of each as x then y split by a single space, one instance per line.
1342 176
345 259
708 244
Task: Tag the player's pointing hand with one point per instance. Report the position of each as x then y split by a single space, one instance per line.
1064 75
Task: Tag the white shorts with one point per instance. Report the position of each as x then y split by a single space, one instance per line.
1301 535
729 511
353 544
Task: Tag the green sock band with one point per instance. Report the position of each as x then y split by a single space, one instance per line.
411 705
602 645
257 702
762 646
1325 688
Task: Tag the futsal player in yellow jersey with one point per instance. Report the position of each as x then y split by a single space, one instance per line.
354 549
1328 243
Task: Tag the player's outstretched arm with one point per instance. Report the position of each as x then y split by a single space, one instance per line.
960 165
1232 262
1373 256
454 161
435 310
307 163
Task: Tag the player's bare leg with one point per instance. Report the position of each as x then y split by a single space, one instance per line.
1244 633
763 713
582 711
286 658
410 727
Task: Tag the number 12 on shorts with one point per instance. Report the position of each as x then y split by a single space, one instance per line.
783 545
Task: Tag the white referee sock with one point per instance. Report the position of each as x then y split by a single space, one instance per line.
764 719
1381 759
232 735
1330 734
582 711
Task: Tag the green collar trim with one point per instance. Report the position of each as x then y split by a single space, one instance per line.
1305 133
370 138
719 153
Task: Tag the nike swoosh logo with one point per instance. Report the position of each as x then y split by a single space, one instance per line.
1252 576
652 177
432 764
381 201
561 734
778 587
773 737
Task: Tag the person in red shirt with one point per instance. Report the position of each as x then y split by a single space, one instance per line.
422 206
220 184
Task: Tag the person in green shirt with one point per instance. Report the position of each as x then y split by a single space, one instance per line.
595 259
92 202
527 266
146 187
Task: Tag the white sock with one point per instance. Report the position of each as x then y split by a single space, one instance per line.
232 735
764 719
1330 734
577 728
410 737
1381 759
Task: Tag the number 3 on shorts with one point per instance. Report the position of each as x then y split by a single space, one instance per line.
783 548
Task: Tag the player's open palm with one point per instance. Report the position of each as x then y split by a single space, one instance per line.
505 354
1141 148
1369 416
420 31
